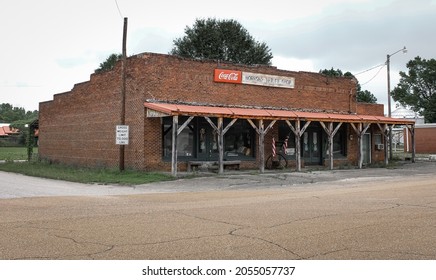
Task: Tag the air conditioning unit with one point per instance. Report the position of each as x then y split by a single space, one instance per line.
380 146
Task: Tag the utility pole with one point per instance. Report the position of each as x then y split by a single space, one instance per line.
123 90
388 64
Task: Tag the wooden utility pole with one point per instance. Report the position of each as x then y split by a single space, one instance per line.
123 90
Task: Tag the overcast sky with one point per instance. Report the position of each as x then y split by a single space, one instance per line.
49 45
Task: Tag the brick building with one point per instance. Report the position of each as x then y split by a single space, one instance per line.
210 111
425 139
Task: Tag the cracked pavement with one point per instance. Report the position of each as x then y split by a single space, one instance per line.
342 214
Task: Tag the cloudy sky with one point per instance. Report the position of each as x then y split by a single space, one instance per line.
49 45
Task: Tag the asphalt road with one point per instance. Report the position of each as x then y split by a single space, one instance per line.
342 214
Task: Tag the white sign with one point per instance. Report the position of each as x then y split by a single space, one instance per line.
155 114
267 80
122 135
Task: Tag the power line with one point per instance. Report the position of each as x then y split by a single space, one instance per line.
381 67
118 8
370 69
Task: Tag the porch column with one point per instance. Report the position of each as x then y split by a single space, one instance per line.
385 131
261 147
221 131
220 145
331 134
360 131
174 146
298 133
261 131
411 129
176 130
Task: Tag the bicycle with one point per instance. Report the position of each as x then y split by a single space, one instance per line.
277 160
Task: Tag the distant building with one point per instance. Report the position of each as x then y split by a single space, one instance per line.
398 133
8 135
6 130
407 114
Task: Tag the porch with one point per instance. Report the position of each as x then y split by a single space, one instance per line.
262 120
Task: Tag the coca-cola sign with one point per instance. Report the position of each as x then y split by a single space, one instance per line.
257 79
228 76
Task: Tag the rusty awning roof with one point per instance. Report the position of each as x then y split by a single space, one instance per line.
167 109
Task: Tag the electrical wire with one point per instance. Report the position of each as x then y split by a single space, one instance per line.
370 69
118 8
381 67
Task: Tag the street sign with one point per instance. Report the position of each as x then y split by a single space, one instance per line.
122 135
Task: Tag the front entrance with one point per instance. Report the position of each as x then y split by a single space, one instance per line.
207 142
366 148
312 149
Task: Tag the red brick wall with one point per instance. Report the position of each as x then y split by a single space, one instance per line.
78 127
425 139
175 79
370 109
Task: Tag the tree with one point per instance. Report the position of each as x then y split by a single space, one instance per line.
109 63
225 40
11 114
417 89
362 95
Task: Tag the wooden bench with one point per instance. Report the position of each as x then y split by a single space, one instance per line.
227 163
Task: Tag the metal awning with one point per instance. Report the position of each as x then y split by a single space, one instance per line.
359 123
167 109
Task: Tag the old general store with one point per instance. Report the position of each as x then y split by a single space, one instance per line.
181 113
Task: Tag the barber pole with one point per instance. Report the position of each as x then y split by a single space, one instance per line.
285 146
273 147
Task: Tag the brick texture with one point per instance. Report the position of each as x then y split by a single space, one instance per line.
78 127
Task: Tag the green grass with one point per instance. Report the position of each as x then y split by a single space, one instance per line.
83 175
15 153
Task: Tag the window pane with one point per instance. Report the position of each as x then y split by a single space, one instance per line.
185 141
238 141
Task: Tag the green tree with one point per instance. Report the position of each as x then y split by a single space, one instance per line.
417 88
109 63
362 95
225 40
11 114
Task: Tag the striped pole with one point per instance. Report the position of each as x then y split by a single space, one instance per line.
285 145
273 147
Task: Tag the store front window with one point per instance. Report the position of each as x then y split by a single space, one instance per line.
200 141
185 140
239 141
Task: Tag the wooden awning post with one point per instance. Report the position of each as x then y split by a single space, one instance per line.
261 147
412 133
385 131
175 133
221 131
331 134
298 133
261 132
360 131
220 145
174 146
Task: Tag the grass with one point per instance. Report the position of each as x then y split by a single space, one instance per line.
15 153
83 175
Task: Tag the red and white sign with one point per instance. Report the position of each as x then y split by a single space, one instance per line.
239 77
227 76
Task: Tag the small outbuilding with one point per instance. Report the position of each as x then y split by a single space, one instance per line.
180 113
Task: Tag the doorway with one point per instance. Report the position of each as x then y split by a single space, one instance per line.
366 148
207 142
312 150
